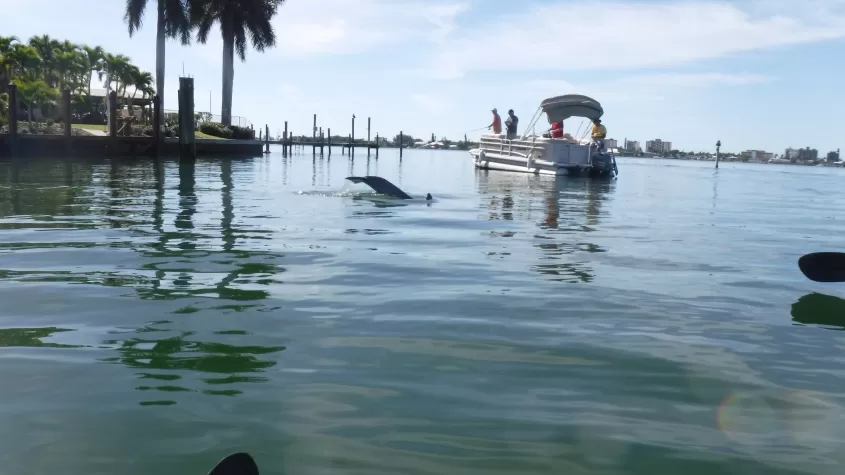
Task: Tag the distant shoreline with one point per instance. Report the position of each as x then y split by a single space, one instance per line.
822 163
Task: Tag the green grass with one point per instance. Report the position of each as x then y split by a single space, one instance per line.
103 127
89 126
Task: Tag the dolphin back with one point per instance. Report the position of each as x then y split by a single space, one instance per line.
380 185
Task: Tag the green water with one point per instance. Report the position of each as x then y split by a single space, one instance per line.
156 318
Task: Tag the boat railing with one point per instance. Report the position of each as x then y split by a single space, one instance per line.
517 147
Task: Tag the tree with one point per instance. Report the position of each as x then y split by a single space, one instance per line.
238 19
23 60
6 43
172 22
35 92
94 57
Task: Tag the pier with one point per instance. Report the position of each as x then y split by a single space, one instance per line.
322 141
119 138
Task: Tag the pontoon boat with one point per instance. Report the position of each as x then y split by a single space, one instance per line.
543 154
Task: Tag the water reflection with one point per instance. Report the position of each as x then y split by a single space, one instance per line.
164 360
40 189
241 282
580 200
32 337
820 309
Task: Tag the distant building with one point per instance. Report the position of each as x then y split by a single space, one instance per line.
808 154
758 155
833 156
611 143
658 146
790 154
632 146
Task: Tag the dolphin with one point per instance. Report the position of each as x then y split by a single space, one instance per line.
383 187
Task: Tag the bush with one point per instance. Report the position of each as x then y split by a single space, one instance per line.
216 129
242 133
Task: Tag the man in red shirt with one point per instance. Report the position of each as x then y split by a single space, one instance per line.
497 122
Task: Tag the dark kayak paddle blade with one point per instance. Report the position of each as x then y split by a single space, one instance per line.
236 464
823 266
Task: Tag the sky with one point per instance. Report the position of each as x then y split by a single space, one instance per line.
755 74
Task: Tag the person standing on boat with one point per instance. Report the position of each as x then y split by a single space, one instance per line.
557 130
598 134
497 122
511 124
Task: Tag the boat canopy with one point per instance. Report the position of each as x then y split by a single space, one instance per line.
571 105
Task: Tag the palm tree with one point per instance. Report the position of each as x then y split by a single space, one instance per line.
115 68
172 22
238 20
95 58
23 60
44 45
6 43
142 81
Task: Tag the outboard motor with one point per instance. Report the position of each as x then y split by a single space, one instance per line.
602 164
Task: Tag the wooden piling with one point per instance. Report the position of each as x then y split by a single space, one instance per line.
314 131
267 138
330 142
66 116
187 137
718 153
377 146
112 114
401 143
13 118
156 126
285 144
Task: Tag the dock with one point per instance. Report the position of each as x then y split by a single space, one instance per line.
322 141
119 140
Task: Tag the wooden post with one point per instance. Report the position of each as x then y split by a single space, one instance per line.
66 113
266 138
377 146
718 146
285 143
13 117
314 132
187 138
401 143
330 141
112 114
156 126
259 134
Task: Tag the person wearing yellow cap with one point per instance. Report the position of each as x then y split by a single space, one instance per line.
598 134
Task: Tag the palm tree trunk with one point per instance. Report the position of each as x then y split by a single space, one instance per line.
228 76
160 40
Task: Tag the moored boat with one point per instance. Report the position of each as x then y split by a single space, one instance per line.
542 154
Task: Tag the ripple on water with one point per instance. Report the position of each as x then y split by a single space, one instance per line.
159 315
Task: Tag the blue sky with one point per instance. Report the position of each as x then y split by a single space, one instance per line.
762 74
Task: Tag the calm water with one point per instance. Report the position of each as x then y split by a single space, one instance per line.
156 318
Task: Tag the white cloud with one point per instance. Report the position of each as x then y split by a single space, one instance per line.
610 34
353 26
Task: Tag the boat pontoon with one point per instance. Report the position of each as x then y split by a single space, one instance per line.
543 154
